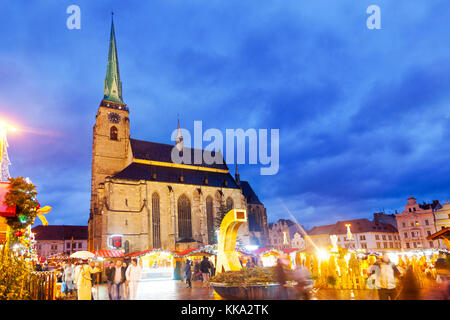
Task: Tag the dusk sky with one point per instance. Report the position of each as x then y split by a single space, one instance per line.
364 115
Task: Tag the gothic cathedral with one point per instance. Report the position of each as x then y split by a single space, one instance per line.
141 200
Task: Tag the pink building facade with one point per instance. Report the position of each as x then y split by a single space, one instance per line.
415 223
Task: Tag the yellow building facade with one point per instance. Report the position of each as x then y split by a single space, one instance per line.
442 217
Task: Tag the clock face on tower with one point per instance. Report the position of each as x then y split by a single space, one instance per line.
114 117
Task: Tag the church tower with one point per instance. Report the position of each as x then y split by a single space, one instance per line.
111 150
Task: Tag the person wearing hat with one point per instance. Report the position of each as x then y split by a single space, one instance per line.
84 282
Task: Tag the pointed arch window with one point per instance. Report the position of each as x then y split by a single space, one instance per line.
210 219
156 221
184 218
114 133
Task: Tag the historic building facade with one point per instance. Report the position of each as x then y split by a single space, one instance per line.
442 217
140 198
60 239
415 223
285 234
367 235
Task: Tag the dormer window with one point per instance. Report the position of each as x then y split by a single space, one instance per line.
181 178
205 181
154 175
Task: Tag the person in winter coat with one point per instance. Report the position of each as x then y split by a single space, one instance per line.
281 278
95 279
118 276
386 282
187 273
133 276
205 268
68 278
410 287
109 279
373 272
76 274
84 282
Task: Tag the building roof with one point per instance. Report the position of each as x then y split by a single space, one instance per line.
249 194
434 205
60 232
153 151
357 226
139 171
295 228
113 85
326 229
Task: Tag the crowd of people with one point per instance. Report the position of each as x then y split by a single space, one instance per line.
81 279
391 281
202 270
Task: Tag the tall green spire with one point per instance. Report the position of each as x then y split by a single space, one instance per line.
113 86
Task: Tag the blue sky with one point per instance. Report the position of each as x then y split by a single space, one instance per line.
363 114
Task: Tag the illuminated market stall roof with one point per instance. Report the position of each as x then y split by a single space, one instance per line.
108 253
138 254
444 233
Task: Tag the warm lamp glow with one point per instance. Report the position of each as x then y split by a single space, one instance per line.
322 254
6 127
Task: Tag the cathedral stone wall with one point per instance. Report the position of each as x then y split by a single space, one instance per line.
127 210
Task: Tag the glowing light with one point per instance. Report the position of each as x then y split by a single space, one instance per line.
251 247
322 254
349 233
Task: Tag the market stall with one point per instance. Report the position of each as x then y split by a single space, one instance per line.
269 256
156 263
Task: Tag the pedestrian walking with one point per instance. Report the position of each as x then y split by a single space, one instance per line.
126 288
84 282
386 282
205 268
197 272
68 278
281 278
95 280
409 288
119 278
304 281
76 274
109 279
133 276
373 272
188 273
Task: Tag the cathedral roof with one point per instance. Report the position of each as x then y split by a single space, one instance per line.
146 150
249 194
113 85
140 171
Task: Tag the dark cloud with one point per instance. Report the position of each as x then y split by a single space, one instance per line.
363 115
